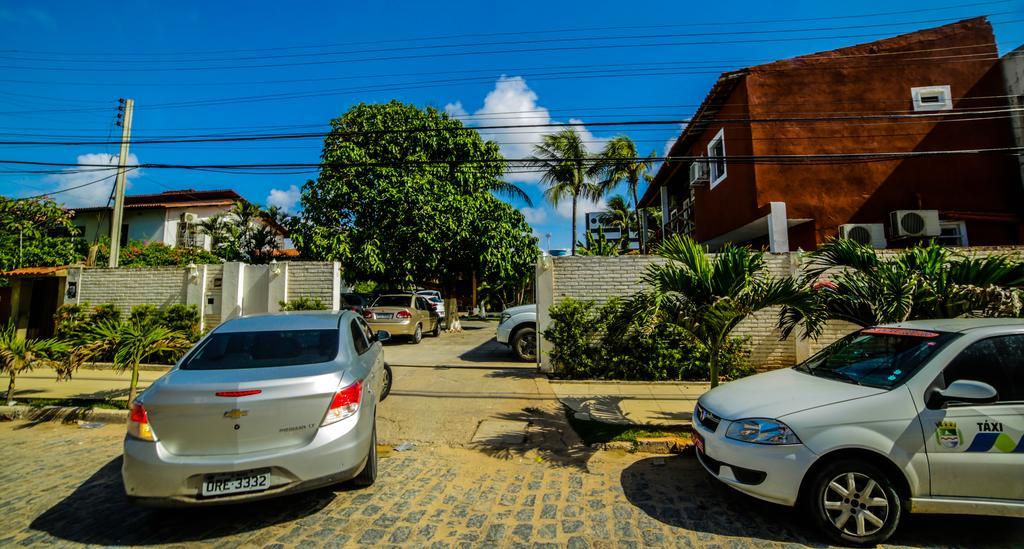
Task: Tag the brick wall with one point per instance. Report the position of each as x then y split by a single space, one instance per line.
313 280
127 287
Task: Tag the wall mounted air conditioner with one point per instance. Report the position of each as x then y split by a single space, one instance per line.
914 223
871 234
698 172
189 218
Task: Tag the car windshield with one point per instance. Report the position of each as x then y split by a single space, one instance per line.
876 357
393 301
435 299
238 350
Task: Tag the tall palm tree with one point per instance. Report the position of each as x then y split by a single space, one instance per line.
706 297
130 344
564 161
621 218
618 162
850 282
19 354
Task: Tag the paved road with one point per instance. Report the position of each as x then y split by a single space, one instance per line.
61 485
446 388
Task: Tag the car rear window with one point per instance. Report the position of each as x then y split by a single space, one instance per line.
876 357
238 350
393 301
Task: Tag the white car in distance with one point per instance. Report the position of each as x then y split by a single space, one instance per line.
918 417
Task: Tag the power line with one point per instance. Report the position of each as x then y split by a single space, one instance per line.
627 123
549 31
458 54
477 44
60 191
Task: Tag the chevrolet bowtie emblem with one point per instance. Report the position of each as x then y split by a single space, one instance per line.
236 413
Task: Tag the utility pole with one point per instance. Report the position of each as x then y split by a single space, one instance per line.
125 115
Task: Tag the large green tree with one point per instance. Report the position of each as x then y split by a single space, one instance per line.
405 196
37 233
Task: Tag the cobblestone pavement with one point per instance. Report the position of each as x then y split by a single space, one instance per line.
61 485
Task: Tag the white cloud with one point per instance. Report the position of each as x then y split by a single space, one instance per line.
84 192
594 144
456 110
287 199
534 216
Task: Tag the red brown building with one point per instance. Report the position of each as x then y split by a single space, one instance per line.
852 142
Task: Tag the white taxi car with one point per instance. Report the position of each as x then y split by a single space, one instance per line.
919 417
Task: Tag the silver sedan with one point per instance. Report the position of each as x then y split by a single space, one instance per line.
262 406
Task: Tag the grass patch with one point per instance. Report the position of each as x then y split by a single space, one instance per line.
595 432
76 403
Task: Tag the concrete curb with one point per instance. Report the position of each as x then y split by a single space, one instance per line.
63 414
660 445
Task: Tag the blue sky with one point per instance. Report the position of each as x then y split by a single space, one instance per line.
64 64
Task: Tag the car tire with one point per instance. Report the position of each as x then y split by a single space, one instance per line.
417 336
437 329
524 344
388 380
368 475
848 515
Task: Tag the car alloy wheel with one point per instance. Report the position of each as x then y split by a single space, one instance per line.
418 335
856 504
525 344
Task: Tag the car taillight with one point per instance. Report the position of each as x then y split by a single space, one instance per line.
367 314
344 404
403 314
138 423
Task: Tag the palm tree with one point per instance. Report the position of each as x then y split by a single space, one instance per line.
563 159
706 297
618 162
598 246
130 344
19 354
621 218
850 282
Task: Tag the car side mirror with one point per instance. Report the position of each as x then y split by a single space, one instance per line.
964 391
383 335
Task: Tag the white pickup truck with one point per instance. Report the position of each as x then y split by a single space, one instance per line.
518 329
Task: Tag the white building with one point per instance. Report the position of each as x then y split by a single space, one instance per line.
170 217
600 222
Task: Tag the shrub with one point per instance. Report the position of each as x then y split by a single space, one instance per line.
145 314
155 254
303 304
584 349
105 312
183 319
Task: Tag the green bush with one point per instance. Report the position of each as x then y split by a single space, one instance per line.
104 312
182 318
303 304
155 254
584 349
145 314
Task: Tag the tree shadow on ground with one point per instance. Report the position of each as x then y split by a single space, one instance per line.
98 512
677 491
516 373
548 438
60 414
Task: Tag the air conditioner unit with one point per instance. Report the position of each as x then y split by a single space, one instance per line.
190 218
871 234
914 223
698 172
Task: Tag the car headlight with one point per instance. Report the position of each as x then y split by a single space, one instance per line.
504 317
761 431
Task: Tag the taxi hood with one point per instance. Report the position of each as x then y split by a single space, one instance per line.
778 393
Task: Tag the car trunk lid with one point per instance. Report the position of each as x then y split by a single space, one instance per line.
198 413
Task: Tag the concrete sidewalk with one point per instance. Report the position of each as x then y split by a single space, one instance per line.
667 403
86 383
